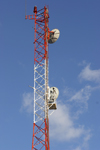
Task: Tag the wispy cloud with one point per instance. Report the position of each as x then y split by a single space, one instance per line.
86 139
90 75
27 103
77 148
83 63
82 96
84 145
68 92
79 99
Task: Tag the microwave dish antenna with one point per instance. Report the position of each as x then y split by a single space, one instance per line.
53 95
54 35
54 92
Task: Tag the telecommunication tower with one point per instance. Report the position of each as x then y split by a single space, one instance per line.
44 96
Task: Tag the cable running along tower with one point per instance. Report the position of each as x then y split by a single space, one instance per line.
44 96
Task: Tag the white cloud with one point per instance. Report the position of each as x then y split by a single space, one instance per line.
89 74
62 124
78 148
82 96
87 138
27 102
68 92
83 63
79 100
63 128
84 145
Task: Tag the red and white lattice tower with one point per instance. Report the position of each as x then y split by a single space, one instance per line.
40 139
44 97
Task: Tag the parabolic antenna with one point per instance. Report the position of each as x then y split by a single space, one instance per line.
54 35
54 92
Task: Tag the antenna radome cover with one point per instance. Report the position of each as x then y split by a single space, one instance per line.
54 35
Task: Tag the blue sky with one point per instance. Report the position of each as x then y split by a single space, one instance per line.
74 68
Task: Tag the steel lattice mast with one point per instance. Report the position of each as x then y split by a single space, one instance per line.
40 139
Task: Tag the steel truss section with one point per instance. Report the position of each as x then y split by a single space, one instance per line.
40 139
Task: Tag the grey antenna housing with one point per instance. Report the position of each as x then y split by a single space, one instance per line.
54 35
